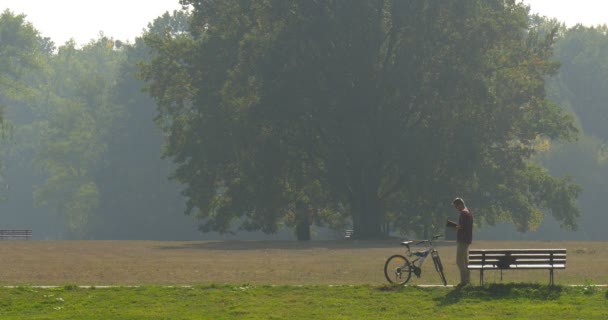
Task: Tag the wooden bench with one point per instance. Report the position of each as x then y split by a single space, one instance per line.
348 234
8 234
516 259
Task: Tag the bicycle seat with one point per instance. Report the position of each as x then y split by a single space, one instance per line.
406 243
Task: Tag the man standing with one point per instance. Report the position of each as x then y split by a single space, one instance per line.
464 237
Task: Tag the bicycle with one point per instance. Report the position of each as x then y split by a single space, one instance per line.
398 269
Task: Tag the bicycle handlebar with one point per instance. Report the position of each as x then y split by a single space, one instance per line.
435 237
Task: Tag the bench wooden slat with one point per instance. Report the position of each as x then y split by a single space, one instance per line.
542 254
15 233
517 251
519 266
517 263
348 234
518 259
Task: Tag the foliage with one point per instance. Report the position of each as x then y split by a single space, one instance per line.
302 302
79 83
582 84
100 147
289 113
580 87
83 141
23 63
380 109
19 54
22 52
136 200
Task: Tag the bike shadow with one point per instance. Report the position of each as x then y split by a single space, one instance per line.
502 292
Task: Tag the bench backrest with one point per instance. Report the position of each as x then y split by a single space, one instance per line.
348 233
528 257
15 232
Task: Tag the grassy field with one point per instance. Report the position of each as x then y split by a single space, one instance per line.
499 301
281 280
97 263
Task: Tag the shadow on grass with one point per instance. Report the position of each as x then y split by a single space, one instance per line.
502 292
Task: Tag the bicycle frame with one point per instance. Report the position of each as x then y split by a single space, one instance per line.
421 255
398 268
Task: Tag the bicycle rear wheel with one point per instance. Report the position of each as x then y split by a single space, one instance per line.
397 269
439 268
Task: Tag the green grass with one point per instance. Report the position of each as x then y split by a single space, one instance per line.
497 301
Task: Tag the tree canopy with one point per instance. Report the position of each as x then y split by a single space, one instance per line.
581 87
380 111
278 115
20 53
83 156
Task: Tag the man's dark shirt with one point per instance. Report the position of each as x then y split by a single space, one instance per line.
464 234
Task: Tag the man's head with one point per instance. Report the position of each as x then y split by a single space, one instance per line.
459 204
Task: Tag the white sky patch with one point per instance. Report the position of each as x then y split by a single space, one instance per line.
83 20
571 12
124 20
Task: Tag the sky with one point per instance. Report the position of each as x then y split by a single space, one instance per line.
83 20
124 20
587 12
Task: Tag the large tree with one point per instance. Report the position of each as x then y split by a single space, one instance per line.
383 109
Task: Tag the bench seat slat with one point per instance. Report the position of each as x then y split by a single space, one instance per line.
519 266
536 263
518 259
517 251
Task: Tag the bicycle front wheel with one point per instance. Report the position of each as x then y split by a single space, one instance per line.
439 268
397 269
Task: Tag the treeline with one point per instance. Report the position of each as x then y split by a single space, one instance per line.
281 115
581 87
82 155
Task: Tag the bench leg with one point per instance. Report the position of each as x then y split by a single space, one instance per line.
481 277
551 282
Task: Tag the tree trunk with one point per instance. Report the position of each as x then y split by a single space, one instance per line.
366 213
302 221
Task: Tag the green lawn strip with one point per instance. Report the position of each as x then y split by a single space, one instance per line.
518 301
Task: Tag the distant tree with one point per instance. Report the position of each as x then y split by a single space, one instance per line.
582 81
73 142
580 87
136 200
20 54
23 57
381 109
82 139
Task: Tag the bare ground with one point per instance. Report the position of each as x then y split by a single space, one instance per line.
259 262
